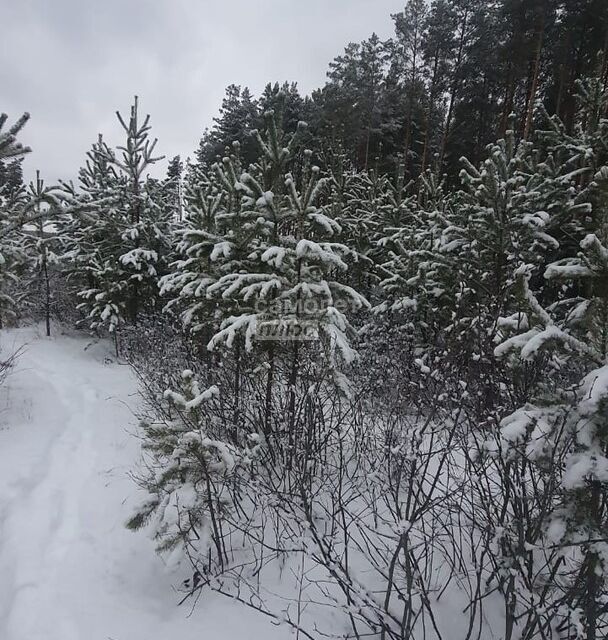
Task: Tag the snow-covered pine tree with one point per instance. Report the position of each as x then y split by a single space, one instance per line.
259 261
401 224
10 147
213 241
172 189
567 420
237 118
41 247
500 232
297 259
421 268
92 239
87 237
12 258
482 233
145 222
120 249
194 484
361 203
11 178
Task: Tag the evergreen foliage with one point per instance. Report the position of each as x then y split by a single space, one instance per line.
385 332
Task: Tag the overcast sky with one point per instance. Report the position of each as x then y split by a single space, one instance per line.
72 63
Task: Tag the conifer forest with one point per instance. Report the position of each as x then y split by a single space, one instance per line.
340 370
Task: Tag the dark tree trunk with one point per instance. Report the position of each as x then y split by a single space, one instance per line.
429 113
454 89
531 98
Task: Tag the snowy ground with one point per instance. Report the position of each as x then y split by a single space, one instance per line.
68 568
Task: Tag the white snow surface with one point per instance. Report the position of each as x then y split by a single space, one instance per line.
69 570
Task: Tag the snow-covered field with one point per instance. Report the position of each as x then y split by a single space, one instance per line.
69 570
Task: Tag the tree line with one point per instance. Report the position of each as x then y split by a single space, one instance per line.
372 350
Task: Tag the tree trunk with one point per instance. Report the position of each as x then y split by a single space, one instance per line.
293 378
268 400
570 103
481 139
605 71
539 35
507 106
47 284
454 88
410 110
367 136
563 75
593 585
515 65
429 113
237 390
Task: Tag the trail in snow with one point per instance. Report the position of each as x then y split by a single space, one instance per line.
69 570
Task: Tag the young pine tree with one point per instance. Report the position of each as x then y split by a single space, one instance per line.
119 244
41 247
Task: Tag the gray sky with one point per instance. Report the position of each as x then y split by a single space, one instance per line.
72 63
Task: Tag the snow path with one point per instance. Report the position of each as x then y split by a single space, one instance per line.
69 570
